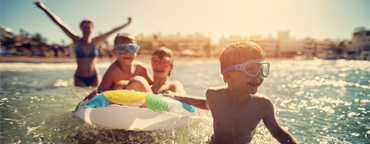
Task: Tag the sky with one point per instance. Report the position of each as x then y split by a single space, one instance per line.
316 19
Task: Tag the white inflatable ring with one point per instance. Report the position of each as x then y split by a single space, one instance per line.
163 112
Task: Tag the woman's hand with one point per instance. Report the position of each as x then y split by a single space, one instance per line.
130 19
40 4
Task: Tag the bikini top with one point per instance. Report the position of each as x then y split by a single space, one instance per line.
81 54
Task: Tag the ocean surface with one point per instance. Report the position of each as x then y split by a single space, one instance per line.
317 101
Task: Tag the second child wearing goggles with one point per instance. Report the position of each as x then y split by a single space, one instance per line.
166 61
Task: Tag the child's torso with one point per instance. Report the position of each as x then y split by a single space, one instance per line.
236 124
121 75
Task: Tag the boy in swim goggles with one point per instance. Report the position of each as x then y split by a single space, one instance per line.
123 48
252 68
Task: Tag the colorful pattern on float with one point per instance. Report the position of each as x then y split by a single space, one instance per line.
155 103
98 101
125 97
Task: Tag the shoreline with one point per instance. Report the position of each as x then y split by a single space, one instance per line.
34 59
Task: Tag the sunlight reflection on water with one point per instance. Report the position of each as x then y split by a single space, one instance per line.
317 101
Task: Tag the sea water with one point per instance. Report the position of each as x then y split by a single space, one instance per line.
317 101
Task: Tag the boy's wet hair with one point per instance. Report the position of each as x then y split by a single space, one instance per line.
162 52
87 21
237 52
121 37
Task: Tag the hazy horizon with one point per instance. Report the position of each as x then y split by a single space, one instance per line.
319 20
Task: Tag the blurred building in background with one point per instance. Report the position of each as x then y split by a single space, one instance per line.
269 44
190 45
359 46
287 47
197 45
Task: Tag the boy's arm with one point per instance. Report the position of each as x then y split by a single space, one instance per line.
107 81
143 72
147 76
105 84
176 91
271 124
198 102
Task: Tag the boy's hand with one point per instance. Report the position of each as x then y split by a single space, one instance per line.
169 93
92 94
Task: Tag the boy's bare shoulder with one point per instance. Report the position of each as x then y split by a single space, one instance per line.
263 100
216 89
140 67
138 64
112 67
213 92
260 96
175 83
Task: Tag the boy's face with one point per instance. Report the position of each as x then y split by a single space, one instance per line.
126 58
242 82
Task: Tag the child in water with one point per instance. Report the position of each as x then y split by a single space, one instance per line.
237 108
162 65
124 68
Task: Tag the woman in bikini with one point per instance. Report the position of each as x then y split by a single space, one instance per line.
87 74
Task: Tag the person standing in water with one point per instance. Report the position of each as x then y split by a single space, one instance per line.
87 73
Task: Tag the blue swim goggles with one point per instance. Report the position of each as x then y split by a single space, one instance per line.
123 48
252 68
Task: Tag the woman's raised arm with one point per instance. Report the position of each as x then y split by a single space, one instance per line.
70 33
103 37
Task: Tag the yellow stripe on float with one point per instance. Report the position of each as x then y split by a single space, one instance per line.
124 97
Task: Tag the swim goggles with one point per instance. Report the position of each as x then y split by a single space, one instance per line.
252 68
166 61
123 48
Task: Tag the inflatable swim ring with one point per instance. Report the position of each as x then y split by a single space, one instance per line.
161 112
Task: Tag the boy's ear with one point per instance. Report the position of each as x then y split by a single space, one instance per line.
226 76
